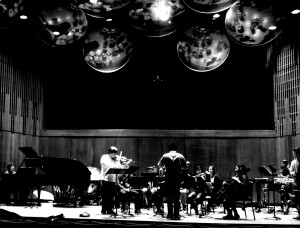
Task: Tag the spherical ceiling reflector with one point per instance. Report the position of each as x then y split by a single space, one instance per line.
209 6
102 8
156 17
107 49
61 25
203 48
254 22
10 12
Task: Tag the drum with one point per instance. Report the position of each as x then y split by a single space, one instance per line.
63 194
95 173
95 183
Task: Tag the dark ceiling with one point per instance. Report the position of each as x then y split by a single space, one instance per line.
236 95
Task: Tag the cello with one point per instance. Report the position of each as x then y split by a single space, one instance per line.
237 181
222 193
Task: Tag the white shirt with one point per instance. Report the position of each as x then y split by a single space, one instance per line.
106 163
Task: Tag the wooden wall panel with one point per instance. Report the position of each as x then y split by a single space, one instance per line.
217 152
55 147
21 98
99 149
129 148
82 149
150 153
9 147
249 153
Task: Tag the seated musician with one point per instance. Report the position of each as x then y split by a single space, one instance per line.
232 190
146 190
152 193
157 197
198 189
284 191
295 173
185 186
126 194
10 188
214 179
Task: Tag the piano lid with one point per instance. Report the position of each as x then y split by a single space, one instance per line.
29 152
57 170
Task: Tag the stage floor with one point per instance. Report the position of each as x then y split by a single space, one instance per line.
263 218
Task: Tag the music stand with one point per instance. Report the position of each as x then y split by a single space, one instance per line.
154 177
132 169
138 182
270 171
117 171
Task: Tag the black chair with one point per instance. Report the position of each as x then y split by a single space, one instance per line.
245 198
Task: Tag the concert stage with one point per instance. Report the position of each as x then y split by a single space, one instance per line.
37 216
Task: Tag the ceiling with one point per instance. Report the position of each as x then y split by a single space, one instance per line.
154 89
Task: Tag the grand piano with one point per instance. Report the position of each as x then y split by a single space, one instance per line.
69 178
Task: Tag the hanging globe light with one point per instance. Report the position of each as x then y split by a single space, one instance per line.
254 22
209 6
156 17
10 12
203 48
107 49
61 24
102 8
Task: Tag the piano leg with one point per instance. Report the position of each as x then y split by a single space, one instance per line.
39 196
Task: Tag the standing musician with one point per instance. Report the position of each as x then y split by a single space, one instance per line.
107 161
295 172
232 190
173 162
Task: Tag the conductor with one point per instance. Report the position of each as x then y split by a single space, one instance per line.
173 162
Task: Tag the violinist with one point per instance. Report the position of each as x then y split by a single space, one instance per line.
198 189
107 161
215 182
185 186
231 191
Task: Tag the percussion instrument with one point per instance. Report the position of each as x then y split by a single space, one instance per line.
63 194
283 180
94 180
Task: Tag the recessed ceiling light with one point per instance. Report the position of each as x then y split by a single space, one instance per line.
23 17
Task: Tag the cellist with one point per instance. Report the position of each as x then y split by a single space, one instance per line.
230 191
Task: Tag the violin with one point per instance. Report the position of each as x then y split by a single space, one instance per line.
123 160
203 175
